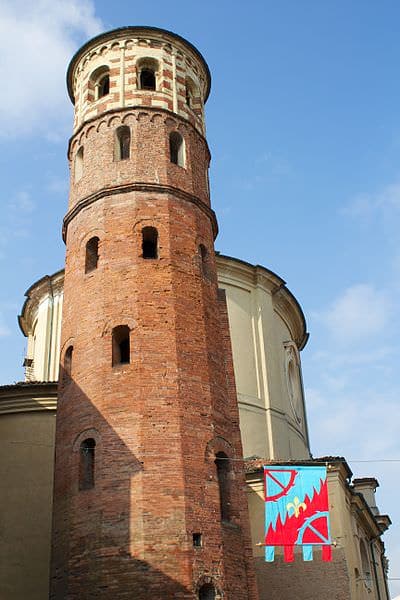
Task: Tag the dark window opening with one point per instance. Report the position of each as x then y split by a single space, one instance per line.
147 79
197 541
121 350
176 149
99 83
103 86
223 475
191 92
86 464
124 351
204 259
123 143
149 242
92 254
207 592
68 362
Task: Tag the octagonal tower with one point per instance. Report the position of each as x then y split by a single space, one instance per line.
149 497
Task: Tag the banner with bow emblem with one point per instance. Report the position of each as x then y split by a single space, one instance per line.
296 511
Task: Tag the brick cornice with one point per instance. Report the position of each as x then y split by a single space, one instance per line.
152 188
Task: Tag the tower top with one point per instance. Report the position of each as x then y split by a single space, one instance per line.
136 31
139 66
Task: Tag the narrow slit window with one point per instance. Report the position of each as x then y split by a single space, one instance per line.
177 149
122 143
68 362
203 252
121 348
147 79
149 242
92 254
207 592
79 164
223 475
87 464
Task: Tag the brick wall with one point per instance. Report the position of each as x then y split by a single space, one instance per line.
158 421
315 580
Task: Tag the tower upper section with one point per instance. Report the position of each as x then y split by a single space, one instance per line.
138 66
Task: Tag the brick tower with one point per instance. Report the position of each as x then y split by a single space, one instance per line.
149 498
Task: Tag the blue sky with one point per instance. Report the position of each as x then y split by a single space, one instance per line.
304 128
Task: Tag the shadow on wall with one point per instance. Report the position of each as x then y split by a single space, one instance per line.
105 519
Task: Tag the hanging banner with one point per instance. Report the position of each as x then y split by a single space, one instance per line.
296 511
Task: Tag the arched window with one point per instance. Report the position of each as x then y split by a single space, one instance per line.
87 464
92 254
293 380
147 68
79 164
149 242
122 148
122 142
190 92
121 348
68 362
207 592
177 149
100 82
223 475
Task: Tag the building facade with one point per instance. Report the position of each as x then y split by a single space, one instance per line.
175 364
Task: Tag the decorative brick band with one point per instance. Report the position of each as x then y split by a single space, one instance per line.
152 188
135 108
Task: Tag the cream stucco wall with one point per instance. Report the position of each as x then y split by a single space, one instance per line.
267 331
27 428
41 323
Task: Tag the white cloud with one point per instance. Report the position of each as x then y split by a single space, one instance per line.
37 39
360 311
385 202
353 423
22 202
